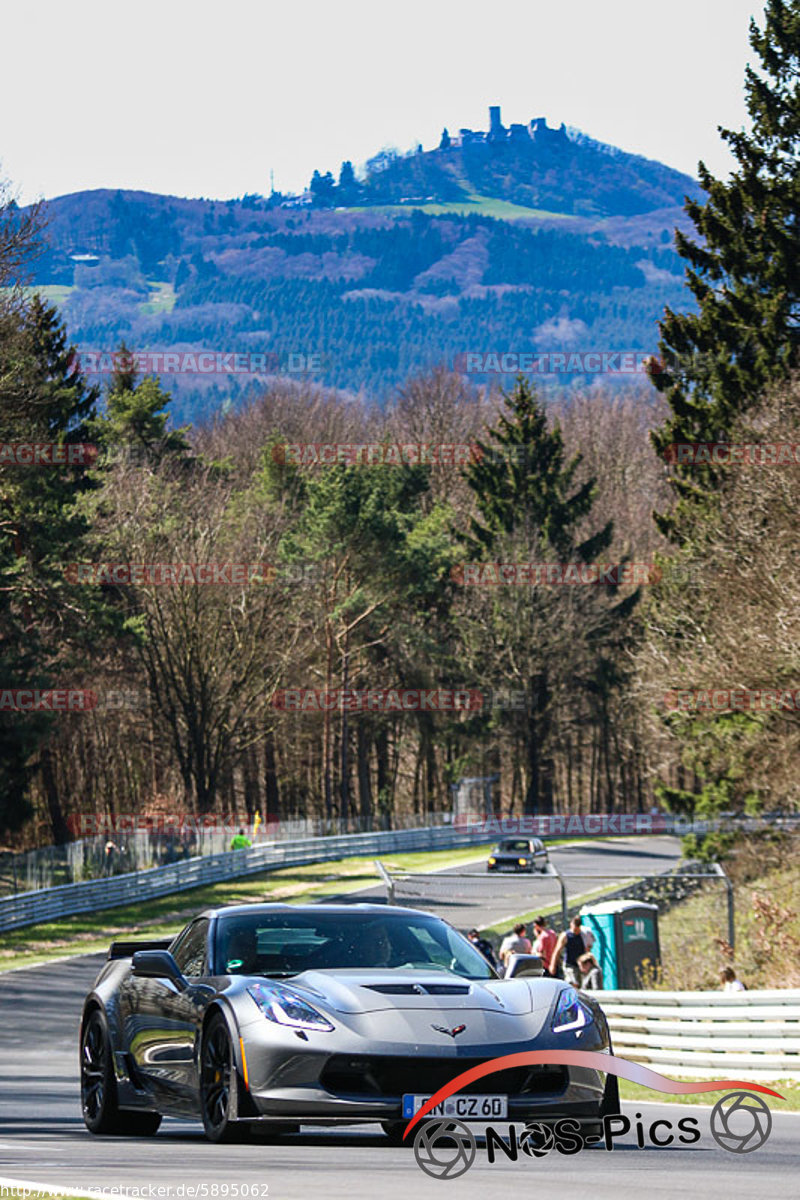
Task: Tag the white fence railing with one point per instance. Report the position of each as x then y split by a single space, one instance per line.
705 1034
47 904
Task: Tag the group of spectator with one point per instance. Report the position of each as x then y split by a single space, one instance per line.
565 956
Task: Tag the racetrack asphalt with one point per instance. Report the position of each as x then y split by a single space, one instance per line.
43 1139
469 895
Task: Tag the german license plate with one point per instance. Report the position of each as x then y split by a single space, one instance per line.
465 1108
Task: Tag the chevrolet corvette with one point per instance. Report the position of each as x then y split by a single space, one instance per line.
273 1015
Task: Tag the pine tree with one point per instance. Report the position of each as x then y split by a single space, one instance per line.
531 508
135 422
522 483
743 271
46 622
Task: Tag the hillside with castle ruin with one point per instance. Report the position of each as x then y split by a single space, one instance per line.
554 171
524 237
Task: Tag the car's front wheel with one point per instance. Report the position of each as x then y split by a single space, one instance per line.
217 1083
101 1111
394 1131
610 1105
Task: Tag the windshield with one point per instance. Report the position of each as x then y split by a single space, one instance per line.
510 845
281 944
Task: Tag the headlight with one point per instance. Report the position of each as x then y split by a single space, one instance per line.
523 862
570 1013
285 1007
492 861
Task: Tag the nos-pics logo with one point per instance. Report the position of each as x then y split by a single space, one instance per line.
445 1148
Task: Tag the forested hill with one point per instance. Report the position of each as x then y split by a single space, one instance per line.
495 242
530 165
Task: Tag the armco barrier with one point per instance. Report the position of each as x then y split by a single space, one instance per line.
47 904
752 1035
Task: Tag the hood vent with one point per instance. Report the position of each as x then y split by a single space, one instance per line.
419 989
445 989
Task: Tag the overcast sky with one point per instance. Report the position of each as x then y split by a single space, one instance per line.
203 99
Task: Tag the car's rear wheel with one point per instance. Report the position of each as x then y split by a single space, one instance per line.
101 1111
217 1084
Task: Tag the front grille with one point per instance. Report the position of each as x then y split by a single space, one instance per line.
388 1076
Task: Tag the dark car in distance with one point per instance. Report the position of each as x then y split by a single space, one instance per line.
518 854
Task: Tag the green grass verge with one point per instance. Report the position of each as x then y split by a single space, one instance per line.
767 919
790 1089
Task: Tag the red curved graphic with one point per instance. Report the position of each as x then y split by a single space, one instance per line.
593 1059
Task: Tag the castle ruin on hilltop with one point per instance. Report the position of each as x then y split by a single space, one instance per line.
537 130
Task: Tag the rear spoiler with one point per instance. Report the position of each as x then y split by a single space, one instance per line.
128 949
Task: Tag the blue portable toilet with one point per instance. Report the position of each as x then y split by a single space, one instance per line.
626 936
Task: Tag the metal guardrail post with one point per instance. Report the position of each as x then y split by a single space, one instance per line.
387 879
554 871
718 869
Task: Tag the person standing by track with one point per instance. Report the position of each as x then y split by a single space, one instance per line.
569 947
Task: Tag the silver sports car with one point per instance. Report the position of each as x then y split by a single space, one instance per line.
269 1015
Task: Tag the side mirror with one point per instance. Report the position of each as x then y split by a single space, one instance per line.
524 964
158 964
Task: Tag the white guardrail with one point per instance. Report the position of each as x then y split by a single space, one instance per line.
755 1035
47 904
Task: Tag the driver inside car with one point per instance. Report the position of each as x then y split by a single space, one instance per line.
241 955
